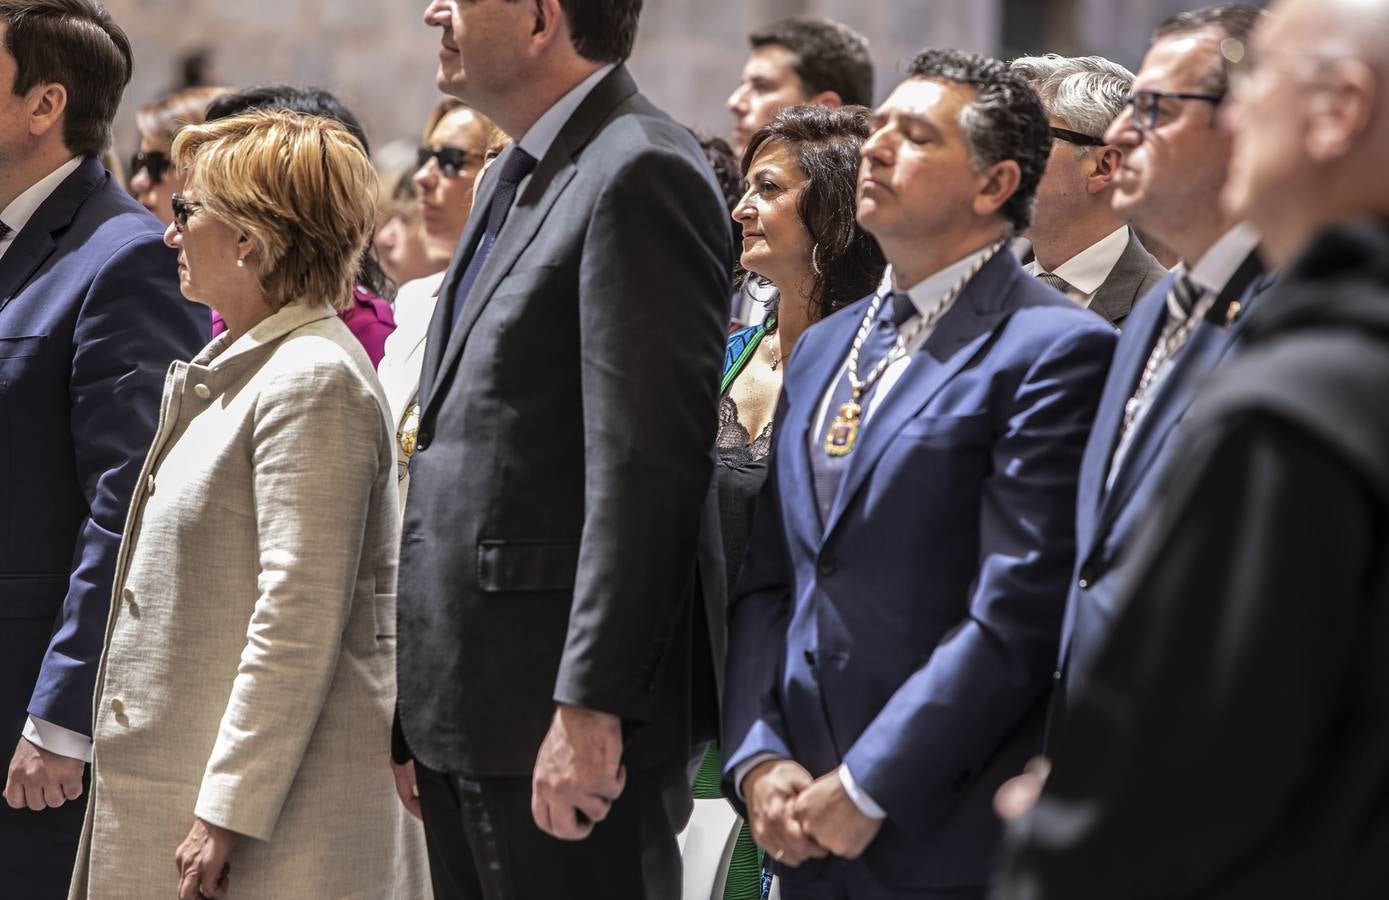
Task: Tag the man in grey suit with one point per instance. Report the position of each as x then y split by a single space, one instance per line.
556 661
1082 246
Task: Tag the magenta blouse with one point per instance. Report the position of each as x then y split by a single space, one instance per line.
370 319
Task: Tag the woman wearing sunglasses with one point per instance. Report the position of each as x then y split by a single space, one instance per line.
246 688
152 180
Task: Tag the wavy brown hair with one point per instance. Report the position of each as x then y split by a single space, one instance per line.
847 263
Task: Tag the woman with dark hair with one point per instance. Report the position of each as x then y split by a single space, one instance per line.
369 317
800 236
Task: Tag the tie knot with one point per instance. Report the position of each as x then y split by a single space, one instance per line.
519 164
1054 281
898 308
1182 298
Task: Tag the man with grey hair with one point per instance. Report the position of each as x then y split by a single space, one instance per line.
1231 740
1082 247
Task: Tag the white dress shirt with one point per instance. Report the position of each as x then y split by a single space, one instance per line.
1089 268
924 295
50 737
23 207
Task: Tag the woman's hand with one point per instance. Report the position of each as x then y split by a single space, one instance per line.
202 861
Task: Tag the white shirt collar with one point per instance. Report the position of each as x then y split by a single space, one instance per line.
23 207
1089 268
926 293
1215 269
542 134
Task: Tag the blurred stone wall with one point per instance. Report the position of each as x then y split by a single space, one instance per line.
380 58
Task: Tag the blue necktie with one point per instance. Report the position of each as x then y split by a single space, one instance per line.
518 165
829 470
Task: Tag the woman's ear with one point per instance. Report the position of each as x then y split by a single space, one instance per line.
245 250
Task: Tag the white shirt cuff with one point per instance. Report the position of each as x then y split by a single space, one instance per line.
859 796
742 771
57 739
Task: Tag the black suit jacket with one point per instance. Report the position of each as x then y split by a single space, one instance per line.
1231 740
564 457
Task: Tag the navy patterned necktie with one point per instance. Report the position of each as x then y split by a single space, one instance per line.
828 471
518 165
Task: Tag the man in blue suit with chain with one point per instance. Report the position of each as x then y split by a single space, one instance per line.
90 318
896 622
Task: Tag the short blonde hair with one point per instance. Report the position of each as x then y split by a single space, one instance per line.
299 186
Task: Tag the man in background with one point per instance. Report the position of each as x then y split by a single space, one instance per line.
1082 247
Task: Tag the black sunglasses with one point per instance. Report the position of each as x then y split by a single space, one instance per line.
451 160
153 162
182 210
1075 137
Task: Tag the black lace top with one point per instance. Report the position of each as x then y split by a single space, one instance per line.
742 467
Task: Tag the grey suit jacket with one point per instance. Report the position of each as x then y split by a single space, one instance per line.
564 456
1135 272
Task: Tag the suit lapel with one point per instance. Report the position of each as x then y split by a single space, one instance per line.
552 174
1135 344
958 336
1116 294
35 243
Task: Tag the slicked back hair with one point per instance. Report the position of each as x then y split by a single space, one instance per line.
1005 120
1237 20
602 31
829 56
74 43
1086 93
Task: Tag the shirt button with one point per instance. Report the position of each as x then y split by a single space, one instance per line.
1084 582
202 391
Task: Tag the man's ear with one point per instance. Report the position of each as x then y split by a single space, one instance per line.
1104 169
1341 110
999 183
548 23
45 106
827 98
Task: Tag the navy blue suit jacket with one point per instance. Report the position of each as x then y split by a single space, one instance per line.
90 318
1108 520
913 634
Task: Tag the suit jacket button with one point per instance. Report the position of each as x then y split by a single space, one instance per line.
422 441
826 567
117 706
149 485
202 391
810 658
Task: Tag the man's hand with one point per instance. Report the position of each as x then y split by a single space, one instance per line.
42 780
771 789
830 818
202 860
578 772
406 788
1016 796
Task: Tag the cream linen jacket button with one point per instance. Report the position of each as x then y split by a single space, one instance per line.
202 391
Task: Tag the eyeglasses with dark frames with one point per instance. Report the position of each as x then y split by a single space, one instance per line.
1147 105
156 163
1075 137
182 210
450 159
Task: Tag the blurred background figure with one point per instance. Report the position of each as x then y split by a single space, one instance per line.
250 676
399 240
1082 247
152 180
369 315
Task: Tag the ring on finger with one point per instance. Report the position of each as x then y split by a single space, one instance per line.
779 854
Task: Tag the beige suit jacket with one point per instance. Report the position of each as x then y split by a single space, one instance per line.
248 676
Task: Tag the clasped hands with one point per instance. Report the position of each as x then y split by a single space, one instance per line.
795 817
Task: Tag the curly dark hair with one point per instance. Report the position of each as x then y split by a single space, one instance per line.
847 262
830 56
1005 120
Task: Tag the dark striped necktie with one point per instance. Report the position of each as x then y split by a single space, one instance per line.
1055 281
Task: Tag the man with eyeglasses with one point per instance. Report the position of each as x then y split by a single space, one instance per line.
1082 247
90 318
1175 162
1231 740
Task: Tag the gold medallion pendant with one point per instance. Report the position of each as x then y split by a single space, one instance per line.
843 432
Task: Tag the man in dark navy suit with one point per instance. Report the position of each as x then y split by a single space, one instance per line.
90 318
897 617
1176 158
